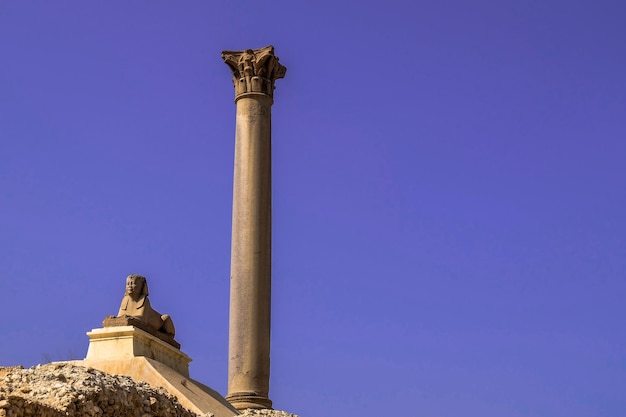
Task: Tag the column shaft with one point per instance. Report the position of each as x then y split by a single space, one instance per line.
250 281
254 73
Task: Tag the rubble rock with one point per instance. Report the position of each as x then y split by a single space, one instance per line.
265 413
65 390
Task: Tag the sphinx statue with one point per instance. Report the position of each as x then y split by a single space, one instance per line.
136 310
136 304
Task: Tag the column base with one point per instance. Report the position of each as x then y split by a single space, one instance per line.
243 400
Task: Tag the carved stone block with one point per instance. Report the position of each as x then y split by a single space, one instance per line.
127 342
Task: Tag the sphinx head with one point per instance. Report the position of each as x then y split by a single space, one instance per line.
136 286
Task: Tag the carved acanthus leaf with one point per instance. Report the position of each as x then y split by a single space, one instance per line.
254 70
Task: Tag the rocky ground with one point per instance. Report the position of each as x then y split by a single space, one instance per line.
65 390
266 413
72 391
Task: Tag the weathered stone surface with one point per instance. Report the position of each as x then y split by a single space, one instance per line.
56 390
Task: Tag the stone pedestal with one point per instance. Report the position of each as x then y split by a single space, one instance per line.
126 342
254 73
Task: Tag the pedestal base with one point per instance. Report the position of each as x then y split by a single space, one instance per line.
126 342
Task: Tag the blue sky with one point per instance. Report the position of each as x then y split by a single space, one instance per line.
448 195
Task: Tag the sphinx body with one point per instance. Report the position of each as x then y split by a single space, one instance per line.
136 304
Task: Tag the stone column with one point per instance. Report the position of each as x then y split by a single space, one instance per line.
254 72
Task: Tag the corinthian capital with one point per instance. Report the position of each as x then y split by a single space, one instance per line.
254 70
